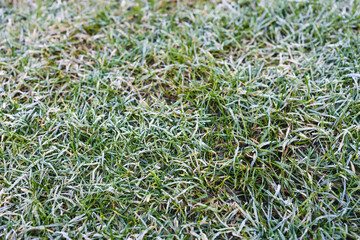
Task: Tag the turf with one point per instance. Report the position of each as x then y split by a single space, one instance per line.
180 119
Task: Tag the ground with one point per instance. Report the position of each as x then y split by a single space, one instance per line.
180 119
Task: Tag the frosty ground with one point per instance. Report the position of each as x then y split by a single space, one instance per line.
180 119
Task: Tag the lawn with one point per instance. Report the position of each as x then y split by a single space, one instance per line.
180 119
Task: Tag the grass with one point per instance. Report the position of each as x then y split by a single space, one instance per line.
180 119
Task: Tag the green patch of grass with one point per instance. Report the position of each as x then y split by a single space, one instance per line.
180 119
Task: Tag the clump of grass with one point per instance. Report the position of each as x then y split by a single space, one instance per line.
185 120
